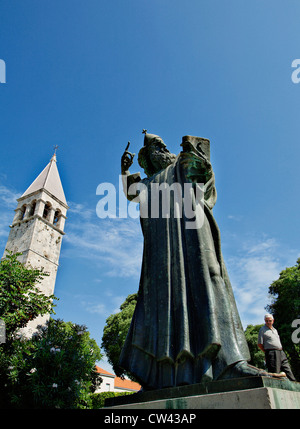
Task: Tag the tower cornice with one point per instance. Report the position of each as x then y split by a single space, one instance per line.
24 197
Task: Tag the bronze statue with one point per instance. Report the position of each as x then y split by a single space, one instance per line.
186 328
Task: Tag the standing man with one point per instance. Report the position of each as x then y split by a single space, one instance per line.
269 343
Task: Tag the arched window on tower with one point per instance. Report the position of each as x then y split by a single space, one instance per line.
47 209
22 212
57 216
32 208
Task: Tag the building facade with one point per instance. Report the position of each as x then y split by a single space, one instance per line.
112 383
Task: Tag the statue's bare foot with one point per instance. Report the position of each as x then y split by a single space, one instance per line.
243 369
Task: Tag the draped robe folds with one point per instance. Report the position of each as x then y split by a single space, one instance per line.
186 327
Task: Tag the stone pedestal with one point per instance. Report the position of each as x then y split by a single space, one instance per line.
240 393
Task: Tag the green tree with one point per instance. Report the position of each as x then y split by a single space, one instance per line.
63 371
257 356
20 301
98 399
20 297
56 367
115 332
285 308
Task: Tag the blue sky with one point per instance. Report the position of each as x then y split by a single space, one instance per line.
89 75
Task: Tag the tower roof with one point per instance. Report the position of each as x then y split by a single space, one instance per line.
48 180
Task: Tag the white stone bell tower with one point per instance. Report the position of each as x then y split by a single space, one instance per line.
38 228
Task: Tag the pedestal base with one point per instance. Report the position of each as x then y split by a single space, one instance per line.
240 393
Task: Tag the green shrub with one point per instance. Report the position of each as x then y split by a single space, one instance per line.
98 399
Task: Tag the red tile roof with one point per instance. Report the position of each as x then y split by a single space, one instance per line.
126 384
103 371
119 383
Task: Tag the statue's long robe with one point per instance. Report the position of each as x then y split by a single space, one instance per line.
186 326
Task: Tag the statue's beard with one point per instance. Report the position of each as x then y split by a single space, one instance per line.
161 160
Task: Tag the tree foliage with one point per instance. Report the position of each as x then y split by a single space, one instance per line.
115 332
285 308
20 301
63 373
20 297
56 367
98 399
257 356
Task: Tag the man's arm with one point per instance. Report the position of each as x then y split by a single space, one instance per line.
260 340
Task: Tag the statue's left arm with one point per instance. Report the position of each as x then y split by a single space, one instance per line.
198 169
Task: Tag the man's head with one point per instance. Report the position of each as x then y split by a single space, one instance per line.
154 155
269 320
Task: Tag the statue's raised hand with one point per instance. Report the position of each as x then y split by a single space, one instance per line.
127 159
